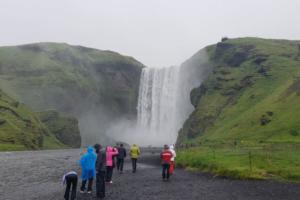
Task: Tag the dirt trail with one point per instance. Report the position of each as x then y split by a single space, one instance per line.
37 175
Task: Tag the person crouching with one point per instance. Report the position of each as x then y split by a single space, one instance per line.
70 179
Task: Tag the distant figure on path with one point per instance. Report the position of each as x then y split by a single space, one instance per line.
110 153
121 157
172 163
134 153
70 179
88 172
165 157
115 157
100 171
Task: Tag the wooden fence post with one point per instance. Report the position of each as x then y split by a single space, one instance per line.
250 161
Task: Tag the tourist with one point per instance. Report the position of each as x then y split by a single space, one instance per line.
172 163
87 163
115 157
165 157
70 180
134 153
100 171
110 153
120 158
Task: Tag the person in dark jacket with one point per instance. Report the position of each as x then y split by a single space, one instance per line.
166 156
120 158
115 157
100 171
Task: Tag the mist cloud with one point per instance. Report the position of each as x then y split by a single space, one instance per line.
157 33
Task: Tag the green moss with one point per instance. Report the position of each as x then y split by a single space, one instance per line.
59 76
51 142
20 128
12 147
252 97
268 161
72 80
65 129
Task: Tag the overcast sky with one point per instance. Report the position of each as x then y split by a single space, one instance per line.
156 32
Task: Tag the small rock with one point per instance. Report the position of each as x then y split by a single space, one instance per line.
2 121
264 120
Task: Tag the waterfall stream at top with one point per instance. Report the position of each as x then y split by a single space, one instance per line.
158 103
163 103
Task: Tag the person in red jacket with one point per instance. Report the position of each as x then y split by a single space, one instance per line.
165 157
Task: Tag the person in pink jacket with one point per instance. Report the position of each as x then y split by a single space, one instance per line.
110 152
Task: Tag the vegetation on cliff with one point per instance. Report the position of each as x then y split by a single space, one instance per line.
21 129
247 110
87 83
65 129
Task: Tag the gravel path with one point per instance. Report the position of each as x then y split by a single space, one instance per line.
37 175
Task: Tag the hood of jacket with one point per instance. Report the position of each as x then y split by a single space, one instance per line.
90 150
109 149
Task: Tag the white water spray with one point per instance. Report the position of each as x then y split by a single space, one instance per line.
158 103
164 98
163 103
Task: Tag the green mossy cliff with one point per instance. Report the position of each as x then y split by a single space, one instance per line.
90 84
21 129
251 96
246 122
64 128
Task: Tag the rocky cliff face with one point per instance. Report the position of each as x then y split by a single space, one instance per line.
65 129
20 128
97 87
251 94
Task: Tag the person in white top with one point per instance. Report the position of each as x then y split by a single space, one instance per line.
70 179
172 149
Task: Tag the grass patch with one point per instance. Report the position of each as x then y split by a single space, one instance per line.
264 161
50 142
12 147
249 104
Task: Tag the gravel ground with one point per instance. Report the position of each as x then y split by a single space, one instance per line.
37 175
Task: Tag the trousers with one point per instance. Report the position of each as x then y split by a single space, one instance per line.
165 171
120 164
134 161
71 181
100 184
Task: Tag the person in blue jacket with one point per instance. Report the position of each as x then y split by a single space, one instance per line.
88 171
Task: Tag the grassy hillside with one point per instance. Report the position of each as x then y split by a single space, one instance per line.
247 109
84 82
21 129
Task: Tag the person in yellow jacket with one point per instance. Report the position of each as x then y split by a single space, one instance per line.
134 154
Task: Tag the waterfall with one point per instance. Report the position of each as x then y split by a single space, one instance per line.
163 103
157 102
